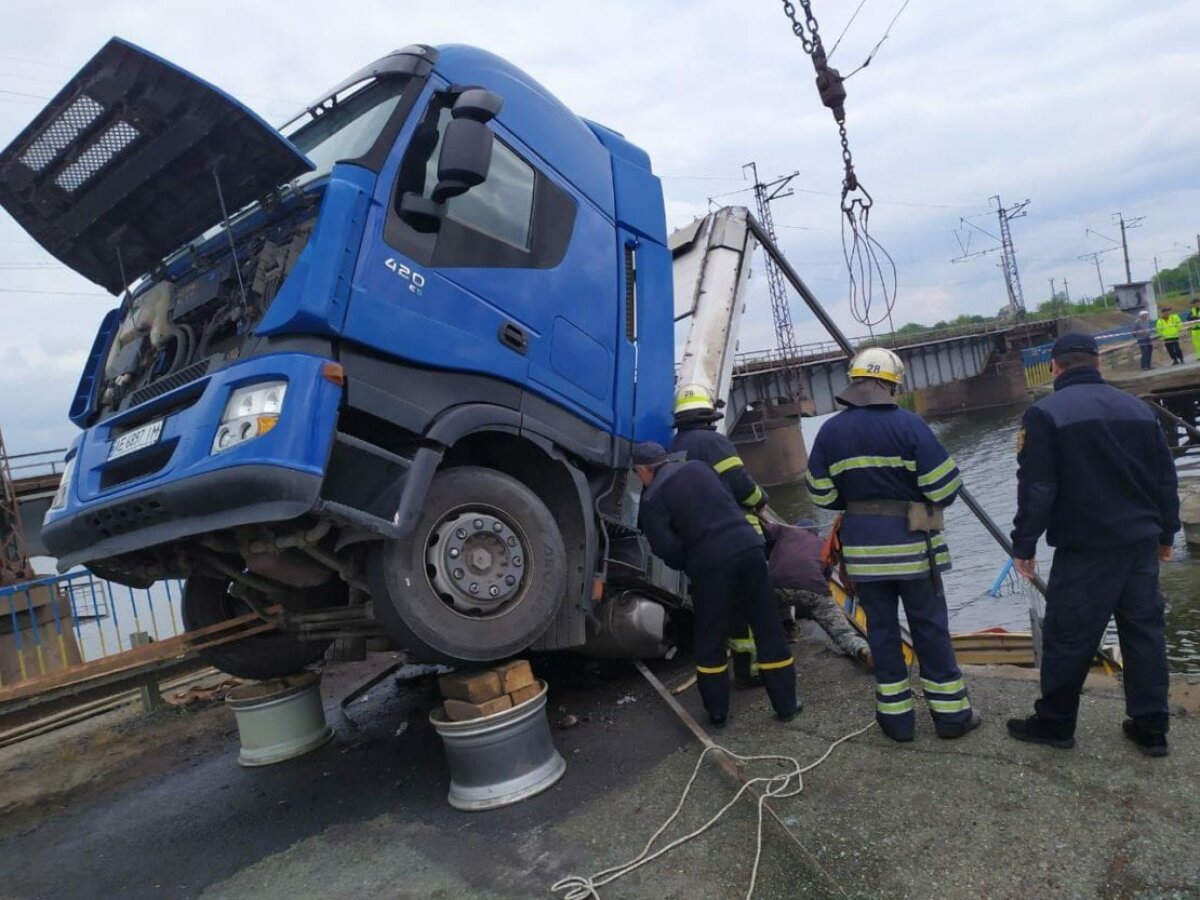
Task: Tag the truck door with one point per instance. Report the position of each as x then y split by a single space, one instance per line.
516 281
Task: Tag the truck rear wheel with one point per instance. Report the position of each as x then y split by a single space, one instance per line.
482 575
206 601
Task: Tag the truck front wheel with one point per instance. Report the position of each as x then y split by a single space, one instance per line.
206 601
482 575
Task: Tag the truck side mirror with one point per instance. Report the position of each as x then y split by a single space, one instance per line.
467 146
463 161
420 213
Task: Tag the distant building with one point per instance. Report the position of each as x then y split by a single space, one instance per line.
1135 296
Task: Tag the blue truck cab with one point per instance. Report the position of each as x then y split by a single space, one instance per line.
377 371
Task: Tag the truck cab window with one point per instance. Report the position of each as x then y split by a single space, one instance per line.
503 205
347 128
502 222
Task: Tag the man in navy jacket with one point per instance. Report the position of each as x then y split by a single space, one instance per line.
693 523
1096 476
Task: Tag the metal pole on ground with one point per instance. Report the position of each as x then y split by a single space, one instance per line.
730 767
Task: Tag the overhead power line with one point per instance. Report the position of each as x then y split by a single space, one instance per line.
836 43
24 94
55 293
34 62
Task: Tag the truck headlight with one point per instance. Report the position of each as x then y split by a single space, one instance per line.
64 486
251 412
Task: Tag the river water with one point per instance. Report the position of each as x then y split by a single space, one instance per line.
984 444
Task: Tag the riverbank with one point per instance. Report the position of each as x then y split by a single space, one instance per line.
366 815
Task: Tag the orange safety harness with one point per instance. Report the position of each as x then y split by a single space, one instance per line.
832 558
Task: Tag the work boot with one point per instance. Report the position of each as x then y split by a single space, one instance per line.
1151 743
788 716
952 730
1036 730
899 735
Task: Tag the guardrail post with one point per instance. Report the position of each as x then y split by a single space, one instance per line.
148 692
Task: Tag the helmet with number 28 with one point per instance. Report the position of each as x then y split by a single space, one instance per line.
876 362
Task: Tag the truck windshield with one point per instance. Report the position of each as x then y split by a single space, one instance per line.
345 125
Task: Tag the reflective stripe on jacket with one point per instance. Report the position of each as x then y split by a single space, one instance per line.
882 453
704 443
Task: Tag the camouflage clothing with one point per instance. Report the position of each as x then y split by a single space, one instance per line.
822 609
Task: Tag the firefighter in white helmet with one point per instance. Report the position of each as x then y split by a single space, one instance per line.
884 468
696 414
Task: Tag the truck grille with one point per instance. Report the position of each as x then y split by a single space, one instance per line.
169 382
129 516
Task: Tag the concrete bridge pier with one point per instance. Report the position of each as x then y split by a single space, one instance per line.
771 445
1002 383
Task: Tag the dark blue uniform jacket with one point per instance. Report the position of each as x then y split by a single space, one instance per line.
705 443
1094 470
882 453
692 521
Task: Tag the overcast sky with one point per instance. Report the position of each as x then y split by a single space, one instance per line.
1084 107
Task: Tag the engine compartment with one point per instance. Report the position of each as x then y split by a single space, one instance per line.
205 314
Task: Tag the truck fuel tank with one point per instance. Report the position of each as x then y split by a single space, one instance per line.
630 626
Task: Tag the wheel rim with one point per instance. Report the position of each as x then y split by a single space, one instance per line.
478 562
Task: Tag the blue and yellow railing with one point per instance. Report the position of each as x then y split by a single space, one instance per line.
57 622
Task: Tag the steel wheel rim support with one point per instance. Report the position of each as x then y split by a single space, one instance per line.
277 725
502 758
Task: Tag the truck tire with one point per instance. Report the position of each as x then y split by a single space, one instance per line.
206 601
480 578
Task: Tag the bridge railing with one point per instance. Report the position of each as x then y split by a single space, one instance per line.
35 465
59 622
823 350
1036 360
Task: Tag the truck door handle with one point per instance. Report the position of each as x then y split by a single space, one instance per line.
514 338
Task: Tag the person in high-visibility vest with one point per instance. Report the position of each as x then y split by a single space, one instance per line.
697 438
1168 327
1193 322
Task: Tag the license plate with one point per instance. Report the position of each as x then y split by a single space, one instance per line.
139 438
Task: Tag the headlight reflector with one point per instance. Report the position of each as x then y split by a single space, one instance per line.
251 412
64 485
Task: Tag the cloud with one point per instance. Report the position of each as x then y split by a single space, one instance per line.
1085 107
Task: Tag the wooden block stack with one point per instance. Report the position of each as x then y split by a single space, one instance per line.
472 695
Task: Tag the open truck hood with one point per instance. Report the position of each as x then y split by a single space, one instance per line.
118 170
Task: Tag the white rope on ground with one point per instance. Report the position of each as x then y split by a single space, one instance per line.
788 784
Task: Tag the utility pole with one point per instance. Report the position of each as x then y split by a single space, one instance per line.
1008 253
1187 264
1132 223
785 335
1095 257
1053 298
1067 291
1012 278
